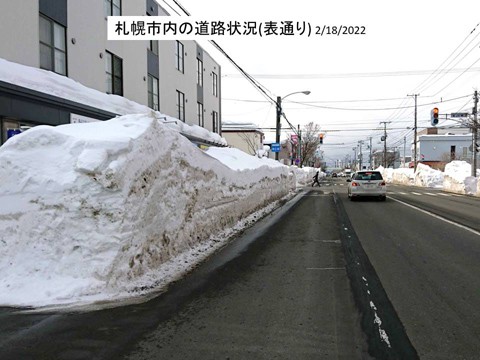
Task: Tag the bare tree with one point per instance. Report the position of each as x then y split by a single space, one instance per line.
310 142
251 141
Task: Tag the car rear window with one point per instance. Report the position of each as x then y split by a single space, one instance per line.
368 176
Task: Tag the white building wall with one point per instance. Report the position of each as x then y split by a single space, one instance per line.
437 147
134 55
19 38
87 25
172 80
244 141
211 103
86 40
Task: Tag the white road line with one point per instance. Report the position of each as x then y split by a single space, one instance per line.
332 268
415 193
431 194
329 241
403 193
444 194
438 217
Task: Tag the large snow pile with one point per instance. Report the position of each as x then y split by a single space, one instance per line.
92 211
387 173
457 178
403 176
427 177
304 176
51 83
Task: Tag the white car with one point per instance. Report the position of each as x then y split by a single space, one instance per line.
367 183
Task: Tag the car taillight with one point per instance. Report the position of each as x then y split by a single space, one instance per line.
382 183
355 183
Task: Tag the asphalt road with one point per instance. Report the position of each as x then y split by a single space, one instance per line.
428 266
280 291
322 278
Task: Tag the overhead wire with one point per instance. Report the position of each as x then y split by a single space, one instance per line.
423 85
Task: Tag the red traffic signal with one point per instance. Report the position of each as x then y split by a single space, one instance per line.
321 138
434 116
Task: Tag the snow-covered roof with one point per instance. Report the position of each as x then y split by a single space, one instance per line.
239 126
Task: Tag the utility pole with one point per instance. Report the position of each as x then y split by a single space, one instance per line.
277 133
385 142
415 135
370 159
299 145
360 143
404 148
475 134
354 158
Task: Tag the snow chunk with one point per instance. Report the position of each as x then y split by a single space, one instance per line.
457 178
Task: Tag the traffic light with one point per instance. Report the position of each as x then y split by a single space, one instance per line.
434 116
321 138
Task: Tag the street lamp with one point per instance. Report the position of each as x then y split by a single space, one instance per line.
279 114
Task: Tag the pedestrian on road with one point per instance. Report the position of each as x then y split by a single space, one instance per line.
315 179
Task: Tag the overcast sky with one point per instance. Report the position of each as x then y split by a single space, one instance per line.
405 42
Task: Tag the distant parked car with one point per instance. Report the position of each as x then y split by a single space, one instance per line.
334 175
367 183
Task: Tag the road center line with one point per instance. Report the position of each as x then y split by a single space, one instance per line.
316 268
438 217
328 241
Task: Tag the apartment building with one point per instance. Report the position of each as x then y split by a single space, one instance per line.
69 38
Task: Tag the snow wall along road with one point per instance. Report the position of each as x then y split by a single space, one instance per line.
88 209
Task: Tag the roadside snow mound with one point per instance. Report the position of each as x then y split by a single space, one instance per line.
90 211
428 177
402 176
304 176
457 178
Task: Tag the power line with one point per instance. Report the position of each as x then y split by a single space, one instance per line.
254 82
451 82
346 75
375 109
446 71
175 11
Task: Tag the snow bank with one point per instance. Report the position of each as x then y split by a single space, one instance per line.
304 175
456 177
51 83
427 177
458 180
92 211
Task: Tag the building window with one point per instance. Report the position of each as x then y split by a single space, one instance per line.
215 124
199 72
154 46
113 69
153 101
53 50
215 84
201 121
179 56
181 105
113 7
